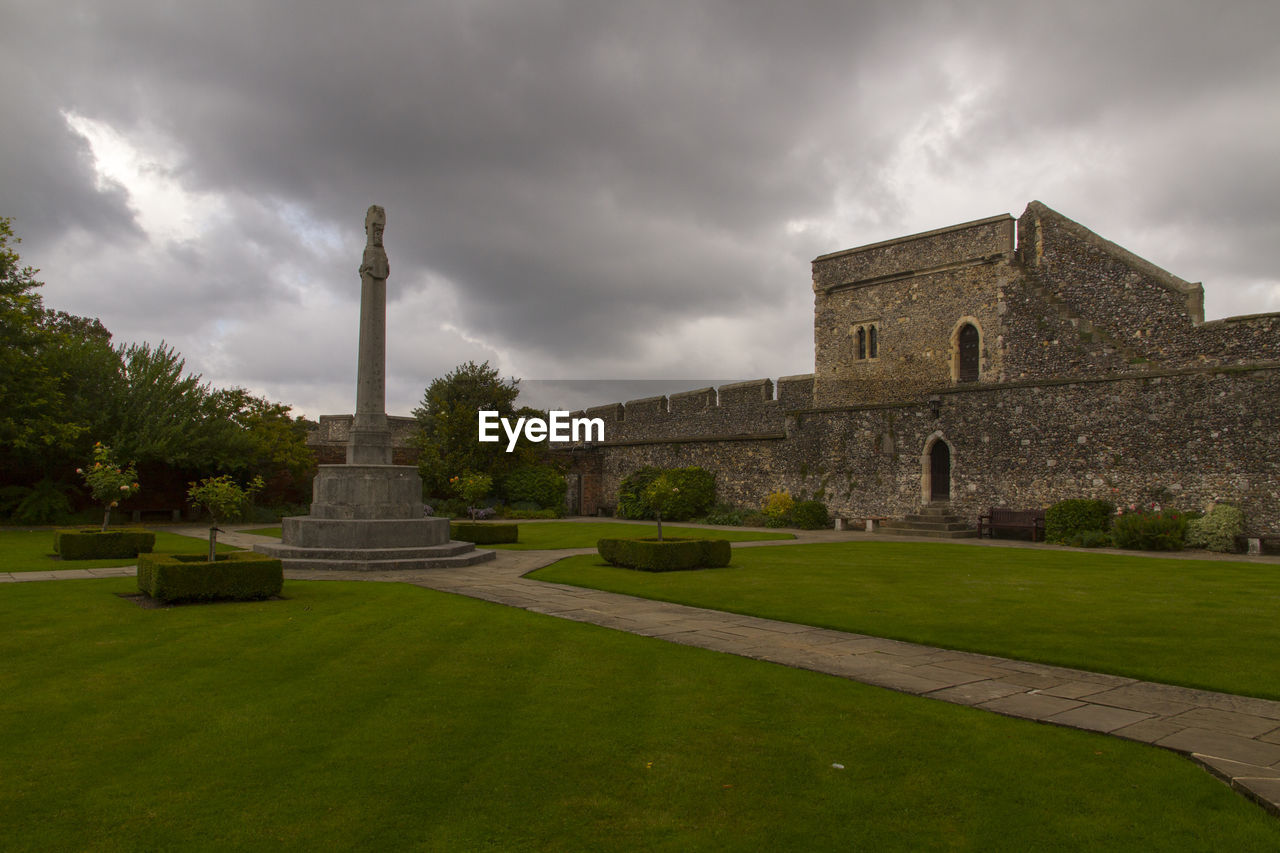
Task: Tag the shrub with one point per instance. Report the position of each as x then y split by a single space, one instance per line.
484 534
777 509
725 514
237 576
671 555
810 515
528 510
43 503
99 545
696 492
1065 519
1216 531
1152 530
449 507
1090 539
541 485
631 502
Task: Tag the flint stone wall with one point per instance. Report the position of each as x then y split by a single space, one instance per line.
1186 439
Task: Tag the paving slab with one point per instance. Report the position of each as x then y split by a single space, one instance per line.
1222 745
1098 718
1032 706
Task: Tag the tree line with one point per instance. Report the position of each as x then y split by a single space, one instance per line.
64 387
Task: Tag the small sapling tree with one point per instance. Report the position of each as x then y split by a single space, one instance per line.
471 487
660 494
107 481
221 497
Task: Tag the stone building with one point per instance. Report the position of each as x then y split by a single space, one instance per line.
992 363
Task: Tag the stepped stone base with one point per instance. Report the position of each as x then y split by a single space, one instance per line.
934 521
368 518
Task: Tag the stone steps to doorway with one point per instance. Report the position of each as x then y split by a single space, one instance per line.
933 521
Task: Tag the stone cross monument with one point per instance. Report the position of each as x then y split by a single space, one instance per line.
367 515
370 442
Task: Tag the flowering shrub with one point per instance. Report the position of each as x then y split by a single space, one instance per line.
1149 529
471 487
777 508
107 481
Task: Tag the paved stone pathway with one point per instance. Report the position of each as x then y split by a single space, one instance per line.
1237 738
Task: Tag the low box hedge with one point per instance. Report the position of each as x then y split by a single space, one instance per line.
484 533
102 545
235 576
669 555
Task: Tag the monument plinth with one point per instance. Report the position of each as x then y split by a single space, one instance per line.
367 515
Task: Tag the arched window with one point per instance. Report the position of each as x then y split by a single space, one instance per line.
967 347
873 349
862 342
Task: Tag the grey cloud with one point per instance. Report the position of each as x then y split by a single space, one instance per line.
587 179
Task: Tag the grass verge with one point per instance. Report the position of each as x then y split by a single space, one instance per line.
378 716
32 551
1200 623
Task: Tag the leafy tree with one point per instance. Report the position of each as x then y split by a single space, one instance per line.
221 497
661 493
448 416
472 488
109 482
32 421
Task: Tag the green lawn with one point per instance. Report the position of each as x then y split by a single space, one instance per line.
383 716
551 535
32 551
1200 623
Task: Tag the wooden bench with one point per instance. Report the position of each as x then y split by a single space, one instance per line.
1001 518
169 513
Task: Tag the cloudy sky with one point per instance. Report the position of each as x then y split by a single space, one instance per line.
579 190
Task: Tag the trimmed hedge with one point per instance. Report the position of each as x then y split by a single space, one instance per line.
484 533
237 576
99 545
1065 519
669 555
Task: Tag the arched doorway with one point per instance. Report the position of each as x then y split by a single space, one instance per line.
939 471
967 346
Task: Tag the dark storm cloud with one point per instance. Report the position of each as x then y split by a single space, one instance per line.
578 184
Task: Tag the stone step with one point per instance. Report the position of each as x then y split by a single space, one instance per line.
928 534
392 565
929 523
452 548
